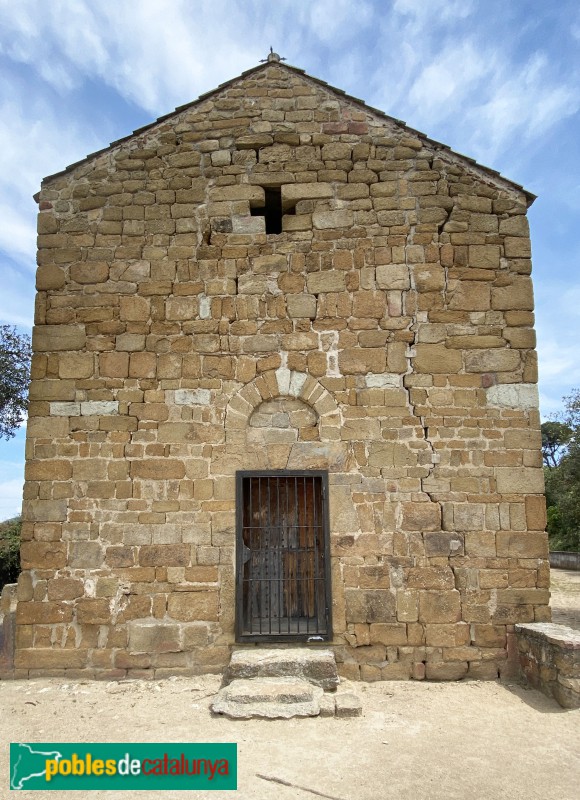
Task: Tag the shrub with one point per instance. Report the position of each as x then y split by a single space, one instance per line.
9 551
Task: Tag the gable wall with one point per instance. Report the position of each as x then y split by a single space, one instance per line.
392 319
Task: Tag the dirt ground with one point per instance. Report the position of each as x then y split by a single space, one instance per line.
565 599
415 741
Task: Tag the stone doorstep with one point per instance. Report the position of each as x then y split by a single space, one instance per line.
318 667
269 698
284 683
282 698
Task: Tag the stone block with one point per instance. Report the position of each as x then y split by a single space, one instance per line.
44 510
374 605
93 612
99 408
407 605
301 306
165 555
484 256
195 634
134 308
388 633
347 704
420 516
43 555
330 280
440 606
514 395
49 276
480 544
495 360
436 358
428 277
192 397
153 636
468 516
446 671
445 635
48 470
431 578
268 698
43 613
114 365
393 277
489 635
522 545
517 247
89 272
315 666
158 469
292 193
50 658
519 480
362 360
517 296
193 606
61 588
49 338
75 365
85 555
470 296
444 544
536 512
142 365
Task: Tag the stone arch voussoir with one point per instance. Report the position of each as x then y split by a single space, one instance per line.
277 383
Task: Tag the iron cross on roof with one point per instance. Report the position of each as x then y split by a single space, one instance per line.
272 56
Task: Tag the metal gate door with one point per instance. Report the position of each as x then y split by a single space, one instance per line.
282 561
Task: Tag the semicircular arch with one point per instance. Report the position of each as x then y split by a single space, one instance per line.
279 383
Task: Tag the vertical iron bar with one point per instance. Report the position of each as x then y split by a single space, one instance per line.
304 555
260 558
248 483
271 566
315 564
296 555
278 550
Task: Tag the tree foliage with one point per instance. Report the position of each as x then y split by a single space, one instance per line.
15 354
9 551
555 438
561 451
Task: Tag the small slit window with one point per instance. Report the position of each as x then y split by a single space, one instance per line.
272 210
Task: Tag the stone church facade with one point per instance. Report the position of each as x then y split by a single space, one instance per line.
283 391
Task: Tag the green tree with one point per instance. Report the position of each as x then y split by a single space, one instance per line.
9 551
15 354
561 451
555 438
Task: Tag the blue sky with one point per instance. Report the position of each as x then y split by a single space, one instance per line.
497 81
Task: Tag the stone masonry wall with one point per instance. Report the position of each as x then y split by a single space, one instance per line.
386 335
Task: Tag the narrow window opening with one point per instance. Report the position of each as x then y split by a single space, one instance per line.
272 210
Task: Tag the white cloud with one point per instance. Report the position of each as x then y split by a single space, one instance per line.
154 53
508 113
441 87
338 20
434 11
34 142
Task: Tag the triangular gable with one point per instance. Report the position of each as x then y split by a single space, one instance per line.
339 94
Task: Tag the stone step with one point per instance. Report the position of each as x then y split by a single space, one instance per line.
271 698
318 667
